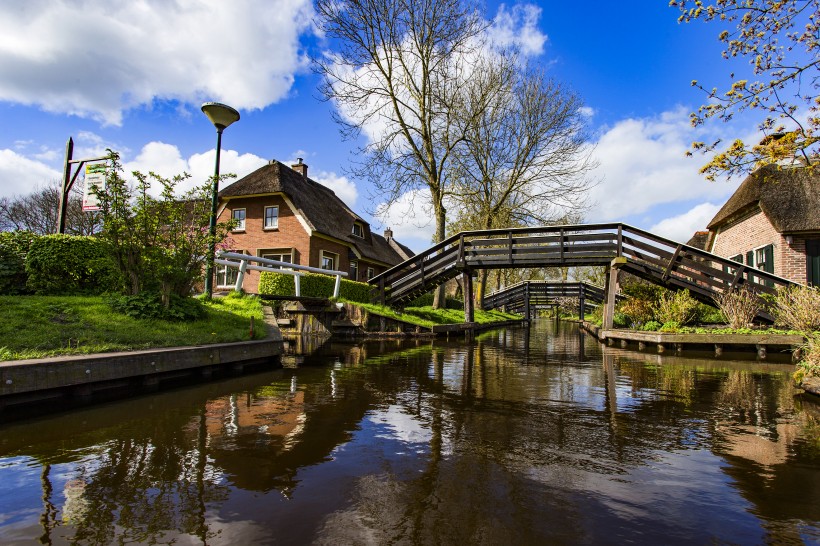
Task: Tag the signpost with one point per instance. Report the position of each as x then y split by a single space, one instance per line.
69 179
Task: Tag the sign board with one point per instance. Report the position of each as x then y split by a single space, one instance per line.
94 176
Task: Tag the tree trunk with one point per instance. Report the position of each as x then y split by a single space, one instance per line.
439 296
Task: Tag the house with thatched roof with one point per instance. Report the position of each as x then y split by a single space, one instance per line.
772 222
283 215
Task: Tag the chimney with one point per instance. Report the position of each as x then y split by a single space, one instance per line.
300 167
388 234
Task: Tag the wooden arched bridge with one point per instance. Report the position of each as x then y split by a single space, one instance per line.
527 296
619 247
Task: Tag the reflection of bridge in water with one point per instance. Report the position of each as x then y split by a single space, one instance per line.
618 247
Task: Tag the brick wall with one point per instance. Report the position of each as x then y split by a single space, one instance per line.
289 234
752 231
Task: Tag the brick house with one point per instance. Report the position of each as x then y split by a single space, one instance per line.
772 222
284 215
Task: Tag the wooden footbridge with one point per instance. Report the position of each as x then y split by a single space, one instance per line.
619 247
528 296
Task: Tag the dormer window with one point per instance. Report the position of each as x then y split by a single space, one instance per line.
358 230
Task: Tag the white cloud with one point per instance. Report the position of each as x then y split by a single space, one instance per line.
642 164
518 27
111 56
167 161
681 227
341 186
20 175
410 218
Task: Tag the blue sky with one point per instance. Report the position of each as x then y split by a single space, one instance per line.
131 75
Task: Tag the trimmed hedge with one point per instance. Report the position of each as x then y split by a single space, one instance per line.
14 246
69 264
313 285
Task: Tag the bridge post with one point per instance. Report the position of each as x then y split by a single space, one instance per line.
611 290
581 303
467 279
527 301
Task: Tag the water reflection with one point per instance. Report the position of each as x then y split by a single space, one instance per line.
524 436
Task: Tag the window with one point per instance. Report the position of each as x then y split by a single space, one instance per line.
764 258
238 216
354 270
271 217
358 230
328 260
282 255
226 275
370 273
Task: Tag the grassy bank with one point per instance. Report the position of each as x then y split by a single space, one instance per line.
428 317
42 326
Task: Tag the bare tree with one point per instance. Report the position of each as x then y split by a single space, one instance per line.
396 71
525 156
37 212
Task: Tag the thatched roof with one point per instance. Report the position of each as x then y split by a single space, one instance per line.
699 240
789 197
320 208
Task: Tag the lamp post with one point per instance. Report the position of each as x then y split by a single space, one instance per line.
221 115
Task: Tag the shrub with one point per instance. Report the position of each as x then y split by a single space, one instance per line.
619 320
652 326
671 326
65 264
710 315
14 246
678 307
798 308
639 310
312 285
149 305
740 306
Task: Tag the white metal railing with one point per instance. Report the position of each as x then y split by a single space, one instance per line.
240 261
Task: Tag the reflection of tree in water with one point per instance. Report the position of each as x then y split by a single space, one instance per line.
138 490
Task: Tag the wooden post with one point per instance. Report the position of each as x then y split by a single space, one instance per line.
467 279
611 291
581 310
62 207
527 301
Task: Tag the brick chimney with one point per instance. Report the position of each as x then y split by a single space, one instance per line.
300 167
388 234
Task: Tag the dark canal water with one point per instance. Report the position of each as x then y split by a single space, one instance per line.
534 436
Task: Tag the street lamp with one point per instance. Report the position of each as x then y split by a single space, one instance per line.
221 115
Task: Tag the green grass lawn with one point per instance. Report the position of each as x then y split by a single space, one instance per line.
41 326
428 317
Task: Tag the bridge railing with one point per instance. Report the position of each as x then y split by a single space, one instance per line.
243 262
657 259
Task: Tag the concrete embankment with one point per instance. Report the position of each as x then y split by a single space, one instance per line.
80 377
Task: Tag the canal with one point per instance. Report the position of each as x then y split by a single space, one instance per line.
525 436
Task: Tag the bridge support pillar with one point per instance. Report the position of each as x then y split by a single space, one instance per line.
469 308
611 290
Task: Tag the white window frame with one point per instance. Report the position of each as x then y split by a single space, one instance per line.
240 226
275 218
361 229
332 256
277 254
761 250
226 273
371 272
354 270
